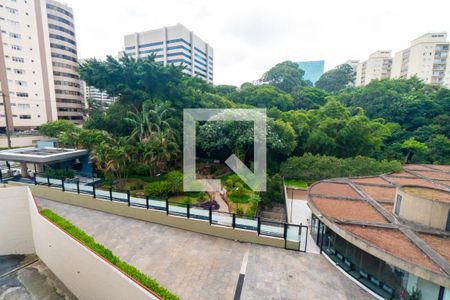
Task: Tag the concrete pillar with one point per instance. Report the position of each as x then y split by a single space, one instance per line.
24 169
40 168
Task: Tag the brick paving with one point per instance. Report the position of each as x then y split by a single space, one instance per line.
198 266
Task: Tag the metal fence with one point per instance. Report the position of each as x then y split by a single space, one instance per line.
295 236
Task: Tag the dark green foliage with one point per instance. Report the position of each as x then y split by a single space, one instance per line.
58 173
53 129
336 79
274 190
311 168
104 252
158 189
286 76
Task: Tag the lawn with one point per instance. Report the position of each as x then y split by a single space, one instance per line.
296 183
193 198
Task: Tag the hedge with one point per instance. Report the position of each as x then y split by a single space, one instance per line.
104 252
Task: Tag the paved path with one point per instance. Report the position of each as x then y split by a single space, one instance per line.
24 277
197 266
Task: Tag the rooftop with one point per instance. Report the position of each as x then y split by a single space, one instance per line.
362 209
41 155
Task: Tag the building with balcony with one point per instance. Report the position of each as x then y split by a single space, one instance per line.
427 58
38 61
377 66
60 41
390 233
174 45
313 69
100 97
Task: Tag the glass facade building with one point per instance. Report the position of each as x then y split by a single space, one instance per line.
313 69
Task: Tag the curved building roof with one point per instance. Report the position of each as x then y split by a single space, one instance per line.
361 211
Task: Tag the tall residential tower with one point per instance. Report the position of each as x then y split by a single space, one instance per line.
174 44
427 58
38 59
377 66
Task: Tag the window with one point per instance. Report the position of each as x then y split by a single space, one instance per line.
63 65
62 20
22 95
147 45
179 40
61 47
16 47
26 117
57 55
12 22
179 53
398 203
62 29
23 105
18 59
60 10
19 71
11 10
14 35
21 83
63 74
61 38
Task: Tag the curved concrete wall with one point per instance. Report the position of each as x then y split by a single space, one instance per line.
431 213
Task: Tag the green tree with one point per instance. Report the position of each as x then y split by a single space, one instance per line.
263 96
309 97
286 76
413 147
440 149
53 129
336 79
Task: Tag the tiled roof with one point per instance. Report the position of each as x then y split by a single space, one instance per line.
362 205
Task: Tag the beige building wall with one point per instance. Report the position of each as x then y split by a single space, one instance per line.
174 45
21 72
427 58
62 55
377 66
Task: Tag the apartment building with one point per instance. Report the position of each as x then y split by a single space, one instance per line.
427 58
59 29
377 66
174 45
38 62
100 97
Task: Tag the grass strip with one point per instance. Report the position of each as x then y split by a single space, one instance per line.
104 252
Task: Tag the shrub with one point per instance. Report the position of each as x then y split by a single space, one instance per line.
104 252
158 189
175 180
311 168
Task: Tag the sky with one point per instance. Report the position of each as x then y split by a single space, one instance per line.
251 36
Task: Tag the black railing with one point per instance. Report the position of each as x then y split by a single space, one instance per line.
258 225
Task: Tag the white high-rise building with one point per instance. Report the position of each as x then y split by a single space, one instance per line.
37 52
377 66
174 44
427 58
100 97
